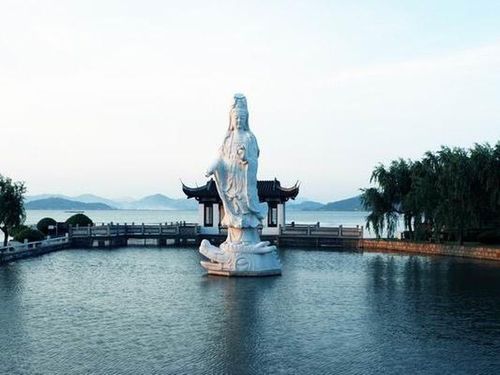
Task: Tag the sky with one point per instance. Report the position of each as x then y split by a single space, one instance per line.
127 98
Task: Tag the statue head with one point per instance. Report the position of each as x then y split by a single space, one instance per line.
238 114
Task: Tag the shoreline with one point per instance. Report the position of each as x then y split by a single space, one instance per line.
474 252
479 252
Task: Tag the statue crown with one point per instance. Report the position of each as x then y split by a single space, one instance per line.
240 103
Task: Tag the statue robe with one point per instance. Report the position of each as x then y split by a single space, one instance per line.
236 180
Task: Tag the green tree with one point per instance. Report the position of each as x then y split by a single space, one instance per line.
44 224
453 192
30 234
381 212
390 199
457 209
485 164
80 220
15 231
12 212
423 195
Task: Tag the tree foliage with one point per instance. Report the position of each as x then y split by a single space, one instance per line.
15 231
80 220
29 234
44 224
489 236
452 193
12 212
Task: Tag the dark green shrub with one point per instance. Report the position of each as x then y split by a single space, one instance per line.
18 230
43 224
80 220
490 237
29 234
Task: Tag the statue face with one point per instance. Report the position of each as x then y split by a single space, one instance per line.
239 120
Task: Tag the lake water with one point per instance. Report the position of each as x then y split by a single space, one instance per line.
140 310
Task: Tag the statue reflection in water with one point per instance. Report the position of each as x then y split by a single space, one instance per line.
238 334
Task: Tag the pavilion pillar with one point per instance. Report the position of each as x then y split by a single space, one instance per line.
216 219
201 214
281 215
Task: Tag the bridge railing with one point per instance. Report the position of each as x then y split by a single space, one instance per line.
112 230
20 247
191 229
317 230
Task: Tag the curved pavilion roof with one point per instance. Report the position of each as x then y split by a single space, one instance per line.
268 190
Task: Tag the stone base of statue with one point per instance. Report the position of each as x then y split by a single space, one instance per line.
242 254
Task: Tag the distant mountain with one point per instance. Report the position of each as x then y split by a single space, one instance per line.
84 198
29 198
91 198
64 204
350 204
162 202
151 202
304 206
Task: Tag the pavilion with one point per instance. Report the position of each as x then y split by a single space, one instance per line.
211 211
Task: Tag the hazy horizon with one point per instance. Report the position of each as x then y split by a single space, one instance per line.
130 198
121 98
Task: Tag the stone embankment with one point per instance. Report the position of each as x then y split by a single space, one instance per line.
476 252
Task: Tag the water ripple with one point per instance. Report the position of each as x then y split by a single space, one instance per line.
153 311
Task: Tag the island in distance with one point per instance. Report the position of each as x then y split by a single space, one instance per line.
162 202
349 204
64 204
94 202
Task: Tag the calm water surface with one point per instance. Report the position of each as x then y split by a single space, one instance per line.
150 310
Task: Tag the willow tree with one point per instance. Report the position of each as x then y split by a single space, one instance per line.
423 196
454 191
456 209
390 199
12 212
485 163
380 208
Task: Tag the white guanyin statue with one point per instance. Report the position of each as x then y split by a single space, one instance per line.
235 172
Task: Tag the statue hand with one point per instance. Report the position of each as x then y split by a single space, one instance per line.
211 170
